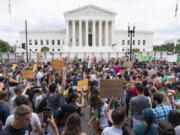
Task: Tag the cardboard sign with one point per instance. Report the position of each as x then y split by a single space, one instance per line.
57 65
111 88
68 59
82 85
122 72
14 66
128 64
27 74
39 57
124 58
35 66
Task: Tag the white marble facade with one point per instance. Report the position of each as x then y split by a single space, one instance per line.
89 29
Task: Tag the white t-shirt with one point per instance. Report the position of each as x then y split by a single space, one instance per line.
177 130
103 121
34 120
112 131
39 76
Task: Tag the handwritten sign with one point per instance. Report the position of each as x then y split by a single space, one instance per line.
57 65
82 85
14 66
111 88
128 64
27 74
124 58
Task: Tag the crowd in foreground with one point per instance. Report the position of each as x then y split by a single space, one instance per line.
50 104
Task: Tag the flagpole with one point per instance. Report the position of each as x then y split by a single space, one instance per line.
176 18
10 22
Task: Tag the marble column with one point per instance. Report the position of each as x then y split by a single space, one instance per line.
74 36
87 33
80 32
67 32
100 33
94 33
106 33
112 35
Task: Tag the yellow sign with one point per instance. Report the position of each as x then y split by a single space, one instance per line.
68 58
92 60
27 74
14 66
82 85
35 66
57 65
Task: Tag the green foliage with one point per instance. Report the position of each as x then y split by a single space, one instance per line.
4 46
169 47
135 50
45 49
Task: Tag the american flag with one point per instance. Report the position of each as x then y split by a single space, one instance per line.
176 10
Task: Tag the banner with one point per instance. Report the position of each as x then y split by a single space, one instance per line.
172 58
178 58
82 85
111 88
27 74
143 58
14 66
57 65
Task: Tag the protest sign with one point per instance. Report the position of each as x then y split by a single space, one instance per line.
124 58
14 66
111 88
57 65
122 72
35 66
142 58
27 74
82 85
128 64
172 58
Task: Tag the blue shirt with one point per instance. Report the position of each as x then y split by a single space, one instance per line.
112 131
4 112
161 113
140 129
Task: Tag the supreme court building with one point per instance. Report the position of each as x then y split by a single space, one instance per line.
90 31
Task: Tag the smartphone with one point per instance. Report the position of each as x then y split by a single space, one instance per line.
47 114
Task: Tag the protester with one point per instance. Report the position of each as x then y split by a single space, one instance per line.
21 123
165 128
161 111
174 119
73 125
146 126
118 118
138 103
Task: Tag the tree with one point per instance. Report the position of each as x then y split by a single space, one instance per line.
45 49
135 50
4 46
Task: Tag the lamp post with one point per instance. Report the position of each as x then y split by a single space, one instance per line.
131 34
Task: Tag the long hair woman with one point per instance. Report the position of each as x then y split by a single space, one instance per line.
73 125
99 114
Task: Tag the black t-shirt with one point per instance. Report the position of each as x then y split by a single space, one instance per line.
10 130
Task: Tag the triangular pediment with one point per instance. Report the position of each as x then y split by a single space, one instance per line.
90 10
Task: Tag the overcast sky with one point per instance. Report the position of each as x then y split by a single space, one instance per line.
151 15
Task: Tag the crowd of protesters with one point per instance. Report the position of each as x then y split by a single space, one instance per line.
49 103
